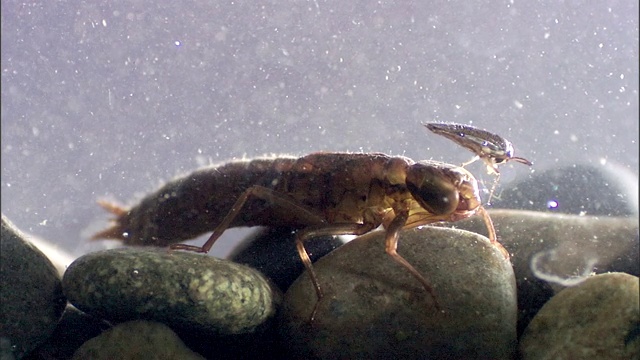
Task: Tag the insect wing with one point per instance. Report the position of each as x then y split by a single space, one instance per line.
480 142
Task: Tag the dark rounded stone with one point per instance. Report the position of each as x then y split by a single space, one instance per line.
273 252
585 189
74 328
549 251
374 308
136 340
30 293
179 289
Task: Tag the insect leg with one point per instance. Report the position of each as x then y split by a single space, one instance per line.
260 192
492 231
493 187
474 159
319 230
113 208
391 246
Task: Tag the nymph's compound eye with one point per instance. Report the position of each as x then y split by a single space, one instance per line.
434 188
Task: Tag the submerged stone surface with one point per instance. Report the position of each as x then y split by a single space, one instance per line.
587 188
136 340
273 252
74 328
550 251
374 308
30 294
597 319
180 289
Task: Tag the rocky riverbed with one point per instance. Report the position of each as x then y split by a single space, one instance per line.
199 306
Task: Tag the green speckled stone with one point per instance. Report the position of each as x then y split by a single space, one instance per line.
183 290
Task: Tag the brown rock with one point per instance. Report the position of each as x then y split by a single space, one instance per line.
374 308
597 319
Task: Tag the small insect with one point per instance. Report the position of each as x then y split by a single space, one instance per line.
318 194
493 149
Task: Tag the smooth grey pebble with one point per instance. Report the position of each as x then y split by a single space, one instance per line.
30 294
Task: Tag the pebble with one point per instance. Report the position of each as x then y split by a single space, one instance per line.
180 289
587 189
550 251
373 308
135 340
30 294
261 249
597 319
59 257
74 328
